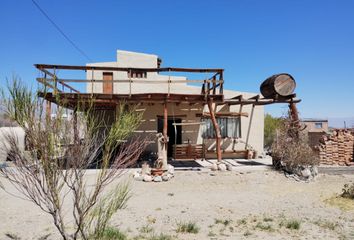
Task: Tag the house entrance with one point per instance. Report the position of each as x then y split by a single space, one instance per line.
173 132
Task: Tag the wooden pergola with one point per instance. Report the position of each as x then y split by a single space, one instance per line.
211 92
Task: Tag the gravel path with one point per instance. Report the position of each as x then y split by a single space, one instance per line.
225 205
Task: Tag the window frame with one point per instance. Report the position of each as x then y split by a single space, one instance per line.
224 132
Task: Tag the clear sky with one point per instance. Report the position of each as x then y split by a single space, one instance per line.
251 39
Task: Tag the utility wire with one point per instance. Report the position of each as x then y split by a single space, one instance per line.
62 32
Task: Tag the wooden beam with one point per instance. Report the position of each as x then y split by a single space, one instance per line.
125 69
147 97
62 81
239 97
217 131
188 123
173 116
255 97
49 85
150 81
223 114
259 102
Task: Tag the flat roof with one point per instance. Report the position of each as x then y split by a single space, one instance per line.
314 120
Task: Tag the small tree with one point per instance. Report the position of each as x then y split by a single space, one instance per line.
56 165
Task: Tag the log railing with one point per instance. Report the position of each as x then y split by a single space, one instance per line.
50 78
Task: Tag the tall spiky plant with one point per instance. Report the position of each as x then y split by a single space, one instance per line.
56 162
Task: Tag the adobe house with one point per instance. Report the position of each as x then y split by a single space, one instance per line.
190 107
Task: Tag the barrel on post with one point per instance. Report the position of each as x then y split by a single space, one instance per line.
282 85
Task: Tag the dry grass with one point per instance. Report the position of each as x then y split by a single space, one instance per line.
344 204
188 227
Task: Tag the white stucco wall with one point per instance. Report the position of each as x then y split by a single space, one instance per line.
191 132
134 60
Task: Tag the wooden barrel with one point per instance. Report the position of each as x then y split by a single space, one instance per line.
282 84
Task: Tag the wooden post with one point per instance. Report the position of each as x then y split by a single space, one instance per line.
165 116
48 109
130 82
295 122
294 113
249 127
216 129
214 85
92 77
76 132
221 79
165 137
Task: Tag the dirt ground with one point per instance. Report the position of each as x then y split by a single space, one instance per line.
250 204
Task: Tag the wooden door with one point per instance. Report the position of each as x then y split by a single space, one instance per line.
108 83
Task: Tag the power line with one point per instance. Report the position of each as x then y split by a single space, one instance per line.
62 32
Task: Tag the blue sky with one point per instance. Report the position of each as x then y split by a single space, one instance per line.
250 39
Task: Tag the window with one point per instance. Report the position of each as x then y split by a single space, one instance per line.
318 125
229 128
137 74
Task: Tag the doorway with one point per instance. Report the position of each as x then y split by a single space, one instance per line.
174 134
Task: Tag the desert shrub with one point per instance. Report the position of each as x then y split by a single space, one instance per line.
242 221
268 219
161 236
264 227
291 149
146 229
111 233
189 227
293 224
225 222
348 191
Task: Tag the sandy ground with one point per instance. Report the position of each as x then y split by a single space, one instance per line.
242 204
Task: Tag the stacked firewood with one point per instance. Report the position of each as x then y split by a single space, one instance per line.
337 148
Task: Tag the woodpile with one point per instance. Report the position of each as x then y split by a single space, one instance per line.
337 148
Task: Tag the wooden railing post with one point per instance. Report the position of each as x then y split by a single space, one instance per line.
130 82
221 79
92 82
169 83
214 85
208 88
55 82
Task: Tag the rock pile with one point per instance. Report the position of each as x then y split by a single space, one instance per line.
301 173
221 166
337 148
147 174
